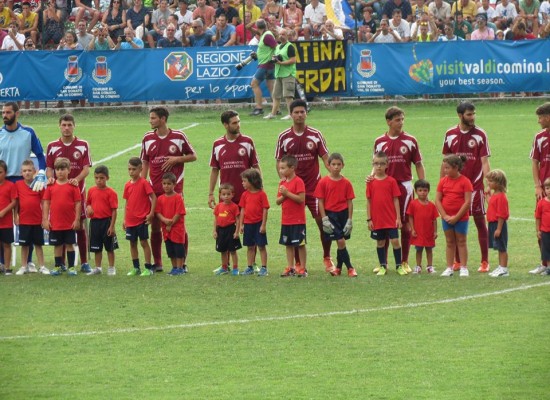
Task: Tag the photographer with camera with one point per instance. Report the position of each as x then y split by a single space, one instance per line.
285 74
266 48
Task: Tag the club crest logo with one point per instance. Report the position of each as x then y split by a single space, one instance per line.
242 152
471 143
73 72
403 149
366 67
178 66
172 149
101 73
310 145
77 155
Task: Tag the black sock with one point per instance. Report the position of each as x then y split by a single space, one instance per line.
381 252
135 262
345 257
58 261
397 256
71 256
149 266
339 259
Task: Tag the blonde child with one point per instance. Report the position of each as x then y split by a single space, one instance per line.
226 231
453 198
497 215
291 196
253 219
542 216
8 195
423 225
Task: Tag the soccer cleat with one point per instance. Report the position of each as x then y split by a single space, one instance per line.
545 272
269 116
499 271
71 271
484 267
256 112
248 271
406 267
44 271
134 272
157 268
352 273
400 270
329 265
8 272
301 272
539 269
235 272
22 271
221 271
286 117
31 268
430 269
382 271
95 271
417 270
336 271
111 271
377 269
185 270
456 266
289 271
464 272
176 271
448 272
147 272
263 272
56 271
85 267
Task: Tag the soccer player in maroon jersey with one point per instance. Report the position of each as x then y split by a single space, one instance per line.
163 150
77 152
232 154
307 144
467 139
402 151
540 156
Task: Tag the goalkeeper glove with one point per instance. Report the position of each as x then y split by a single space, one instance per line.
39 181
348 227
328 228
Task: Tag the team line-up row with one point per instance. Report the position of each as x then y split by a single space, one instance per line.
62 207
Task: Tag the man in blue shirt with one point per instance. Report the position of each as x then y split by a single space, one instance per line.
223 34
130 41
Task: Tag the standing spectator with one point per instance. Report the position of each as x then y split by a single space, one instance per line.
402 27
159 21
440 10
29 22
206 13
170 39
231 14
223 34
15 40
385 34
471 141
115 19
199 38
163 150
308 145
293 17
85 9
483 32
315 15
265 71
250 5
137 19
403 5
129 41
82 35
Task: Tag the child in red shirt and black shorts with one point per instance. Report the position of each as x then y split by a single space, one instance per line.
498 213
8 195
226 231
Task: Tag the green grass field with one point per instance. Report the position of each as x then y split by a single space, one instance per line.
205 337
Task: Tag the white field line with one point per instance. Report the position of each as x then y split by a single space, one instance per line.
274 318
133 147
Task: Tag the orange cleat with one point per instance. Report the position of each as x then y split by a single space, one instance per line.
329 265
456 266
352 273
484 267
336 271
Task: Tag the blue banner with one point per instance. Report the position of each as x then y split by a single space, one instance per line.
450 67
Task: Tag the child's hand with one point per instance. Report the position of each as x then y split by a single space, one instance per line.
448 218
262 228
168 228
111 232
497 233
539 234
435 235
215 234
370 225
369 178
149 219
283 190
89 211
236 235
16 219
398 223
241 230
46 225
76 224
413 233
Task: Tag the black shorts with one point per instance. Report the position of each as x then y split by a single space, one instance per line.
338 219
140 232
293 235
99 238
58 238
383 234
500 243
225 240
31 234
6 235
545 246
252 235
174 250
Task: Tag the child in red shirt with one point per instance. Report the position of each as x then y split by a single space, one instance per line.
226 231
253 219
542 215
383 216
170 210
139 212
101 208
8 195
497 215
291 196
423 224
61 216
335 194
453 198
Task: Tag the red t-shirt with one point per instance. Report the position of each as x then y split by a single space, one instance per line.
402 151
231 158
381 193
78 154
169 206
226 214
473 145
30 204
498 207
335 193
307 148
155 150
252 205
138 203
542 212
8 192
453 191
424 216
103 202
293 213
541 152
62 199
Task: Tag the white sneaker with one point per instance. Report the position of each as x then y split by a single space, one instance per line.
417 270
430 269
111 271
31 268
22 271
269 116
464 272
448 272
500 271
95 271
44 271
286 117
538 270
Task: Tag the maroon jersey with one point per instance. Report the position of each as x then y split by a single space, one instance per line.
306 147
30 204
541 152
402 151
155 150
335 193
231 158
473 145
62 199
78 153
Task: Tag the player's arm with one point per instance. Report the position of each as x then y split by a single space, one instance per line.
163 219
145 169
537 224
321 205
369 218
111 230
8 208
439 205
149 218
420 172
241 221
277 168
214 173
77 210
350 209
397 212
16 213
215 230
485 166
80 177
441 171
411 225
539 191
325 162
264 221
46 214
435 228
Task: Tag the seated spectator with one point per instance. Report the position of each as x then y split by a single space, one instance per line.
462 28
28 22
419 8
137 19
170 39
440 10
223 34
69 42
375 6
245 31
102 40
367 27
185 17
82 35
483 32
85 9
231 14
449 35
400 25
315 15
129 41
505 10
200 37
159 20
544 11
487 10
14 41
173 19
293 17
115 19
274 9
54 28
403 5
499 35
468 8
6 15
250 5
330 32
425 32
206 13
425 17
385 34
529 11
519 30
273 27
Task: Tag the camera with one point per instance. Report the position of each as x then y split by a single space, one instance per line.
246 61
274 59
